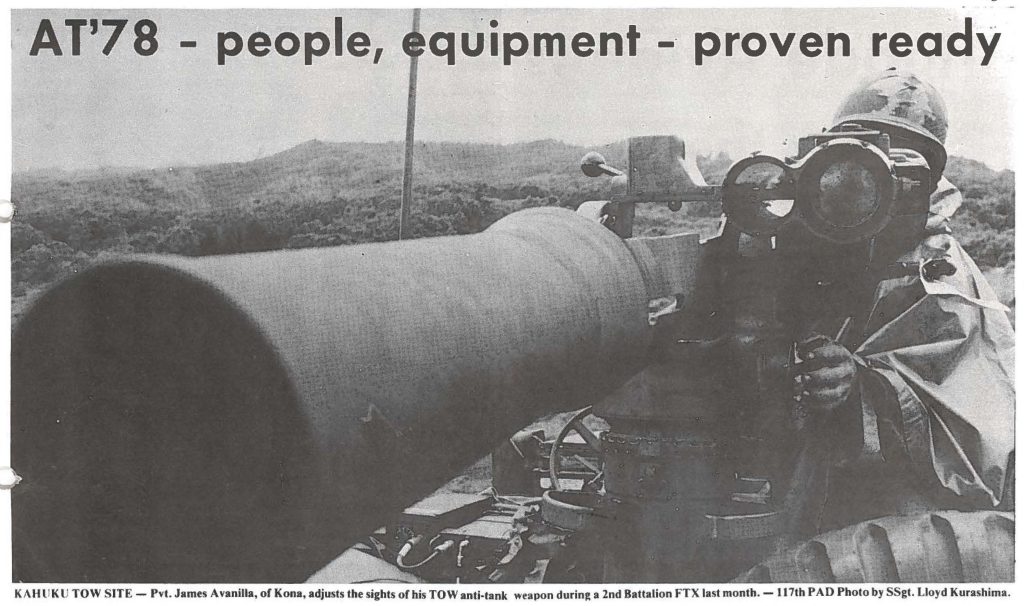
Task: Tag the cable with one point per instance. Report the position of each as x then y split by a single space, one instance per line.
443 547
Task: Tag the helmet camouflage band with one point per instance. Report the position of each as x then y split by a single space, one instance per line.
900 101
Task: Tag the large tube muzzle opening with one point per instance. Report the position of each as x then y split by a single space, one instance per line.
158 434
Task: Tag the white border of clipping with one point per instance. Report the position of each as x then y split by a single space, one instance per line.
1013 37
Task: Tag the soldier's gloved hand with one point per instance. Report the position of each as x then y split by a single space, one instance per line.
825 378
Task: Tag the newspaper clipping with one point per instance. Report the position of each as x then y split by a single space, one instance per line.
549 306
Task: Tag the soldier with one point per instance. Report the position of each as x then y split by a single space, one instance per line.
921 390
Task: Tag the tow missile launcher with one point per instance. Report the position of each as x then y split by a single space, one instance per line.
249 417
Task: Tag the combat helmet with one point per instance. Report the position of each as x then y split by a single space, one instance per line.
902 105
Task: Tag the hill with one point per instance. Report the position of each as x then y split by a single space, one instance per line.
312 171
323 193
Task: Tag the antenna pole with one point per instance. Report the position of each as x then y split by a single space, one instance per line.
410 127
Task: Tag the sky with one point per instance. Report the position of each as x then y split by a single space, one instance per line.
178 107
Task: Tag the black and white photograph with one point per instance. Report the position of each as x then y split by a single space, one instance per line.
646 303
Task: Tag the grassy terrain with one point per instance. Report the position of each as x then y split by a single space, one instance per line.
327 194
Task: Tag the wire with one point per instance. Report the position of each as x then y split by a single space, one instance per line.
443 547
381 548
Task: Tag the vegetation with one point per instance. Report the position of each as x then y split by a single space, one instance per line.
985 222
328 194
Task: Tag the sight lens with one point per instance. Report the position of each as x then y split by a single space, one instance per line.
850 194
